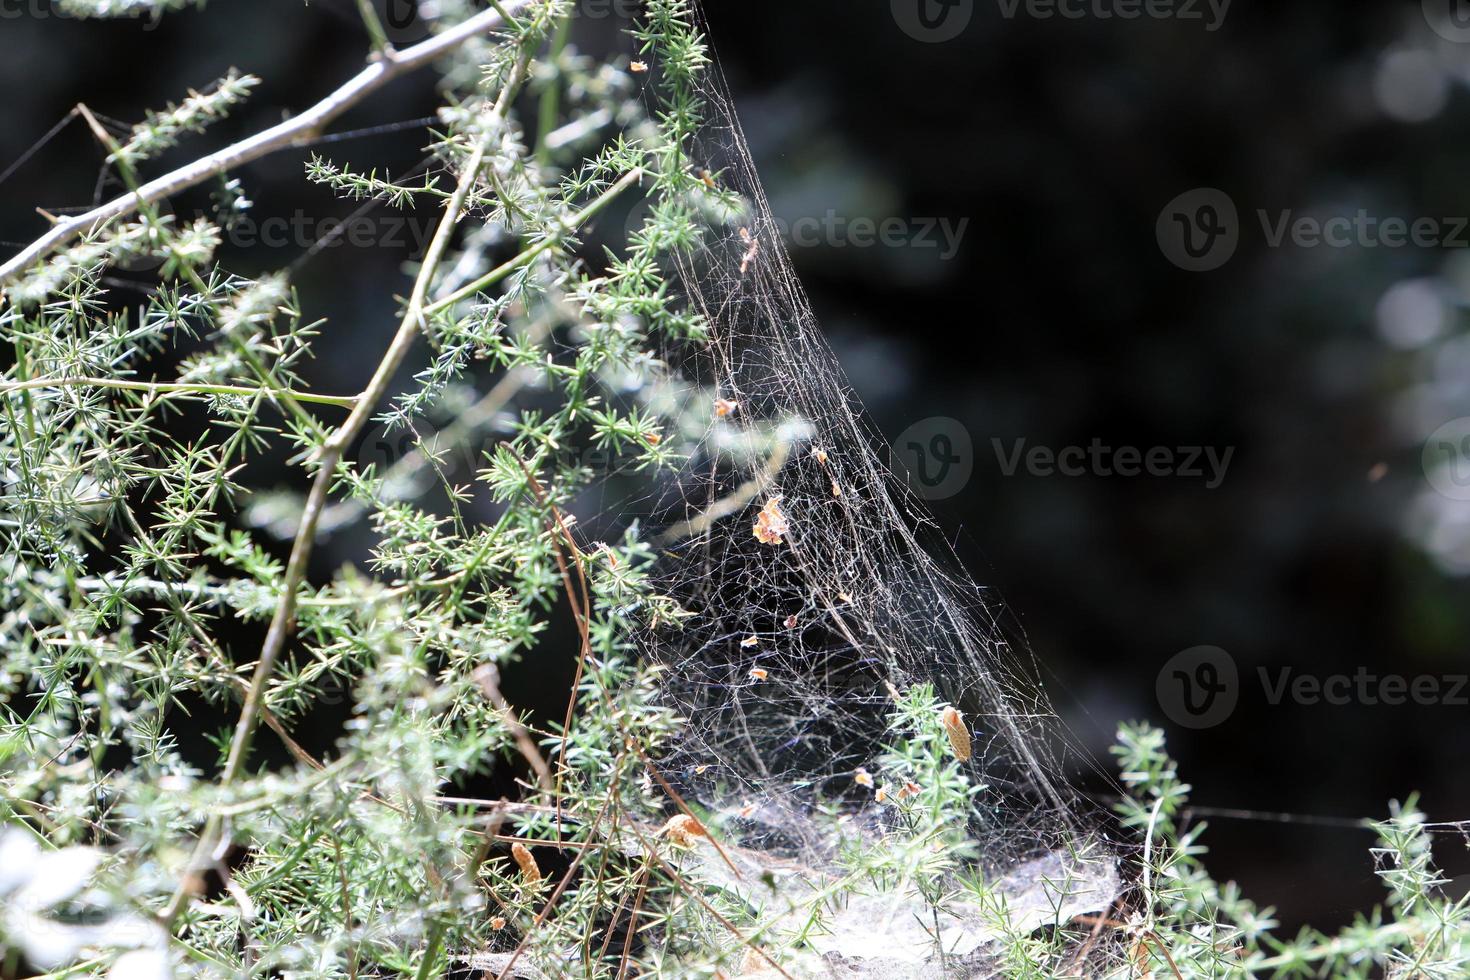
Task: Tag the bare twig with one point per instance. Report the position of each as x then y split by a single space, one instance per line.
386 66
632 926
163 388
566 879
415 317
581 603
1145 938
283 622
487 675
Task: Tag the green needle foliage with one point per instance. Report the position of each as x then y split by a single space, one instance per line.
1190 924
166 653
127 545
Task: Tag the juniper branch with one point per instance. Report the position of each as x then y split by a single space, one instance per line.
284 619
166 388
386 66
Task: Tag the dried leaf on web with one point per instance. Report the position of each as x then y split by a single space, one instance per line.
771 526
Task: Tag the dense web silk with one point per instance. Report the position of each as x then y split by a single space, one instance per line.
818 589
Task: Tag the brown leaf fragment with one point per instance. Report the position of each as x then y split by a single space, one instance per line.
771 526
957 733
682 829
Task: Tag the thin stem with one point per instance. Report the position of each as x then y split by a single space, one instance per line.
346 910
431 951
283 622
472 419
488 677
551 97
529 255
163 388
510 19
373 24
279 392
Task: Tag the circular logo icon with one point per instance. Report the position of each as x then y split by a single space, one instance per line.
935 456
403 21
933 21
1450 19
384 446
412 458
1446 459
1198 687
1198 230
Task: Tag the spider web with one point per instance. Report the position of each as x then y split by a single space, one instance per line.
811 575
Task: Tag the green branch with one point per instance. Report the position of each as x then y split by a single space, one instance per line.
166 388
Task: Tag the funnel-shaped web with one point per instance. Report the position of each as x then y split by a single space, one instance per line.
814 605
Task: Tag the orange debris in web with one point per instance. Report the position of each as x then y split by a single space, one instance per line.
771 526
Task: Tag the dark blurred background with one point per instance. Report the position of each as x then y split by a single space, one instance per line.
1064 157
